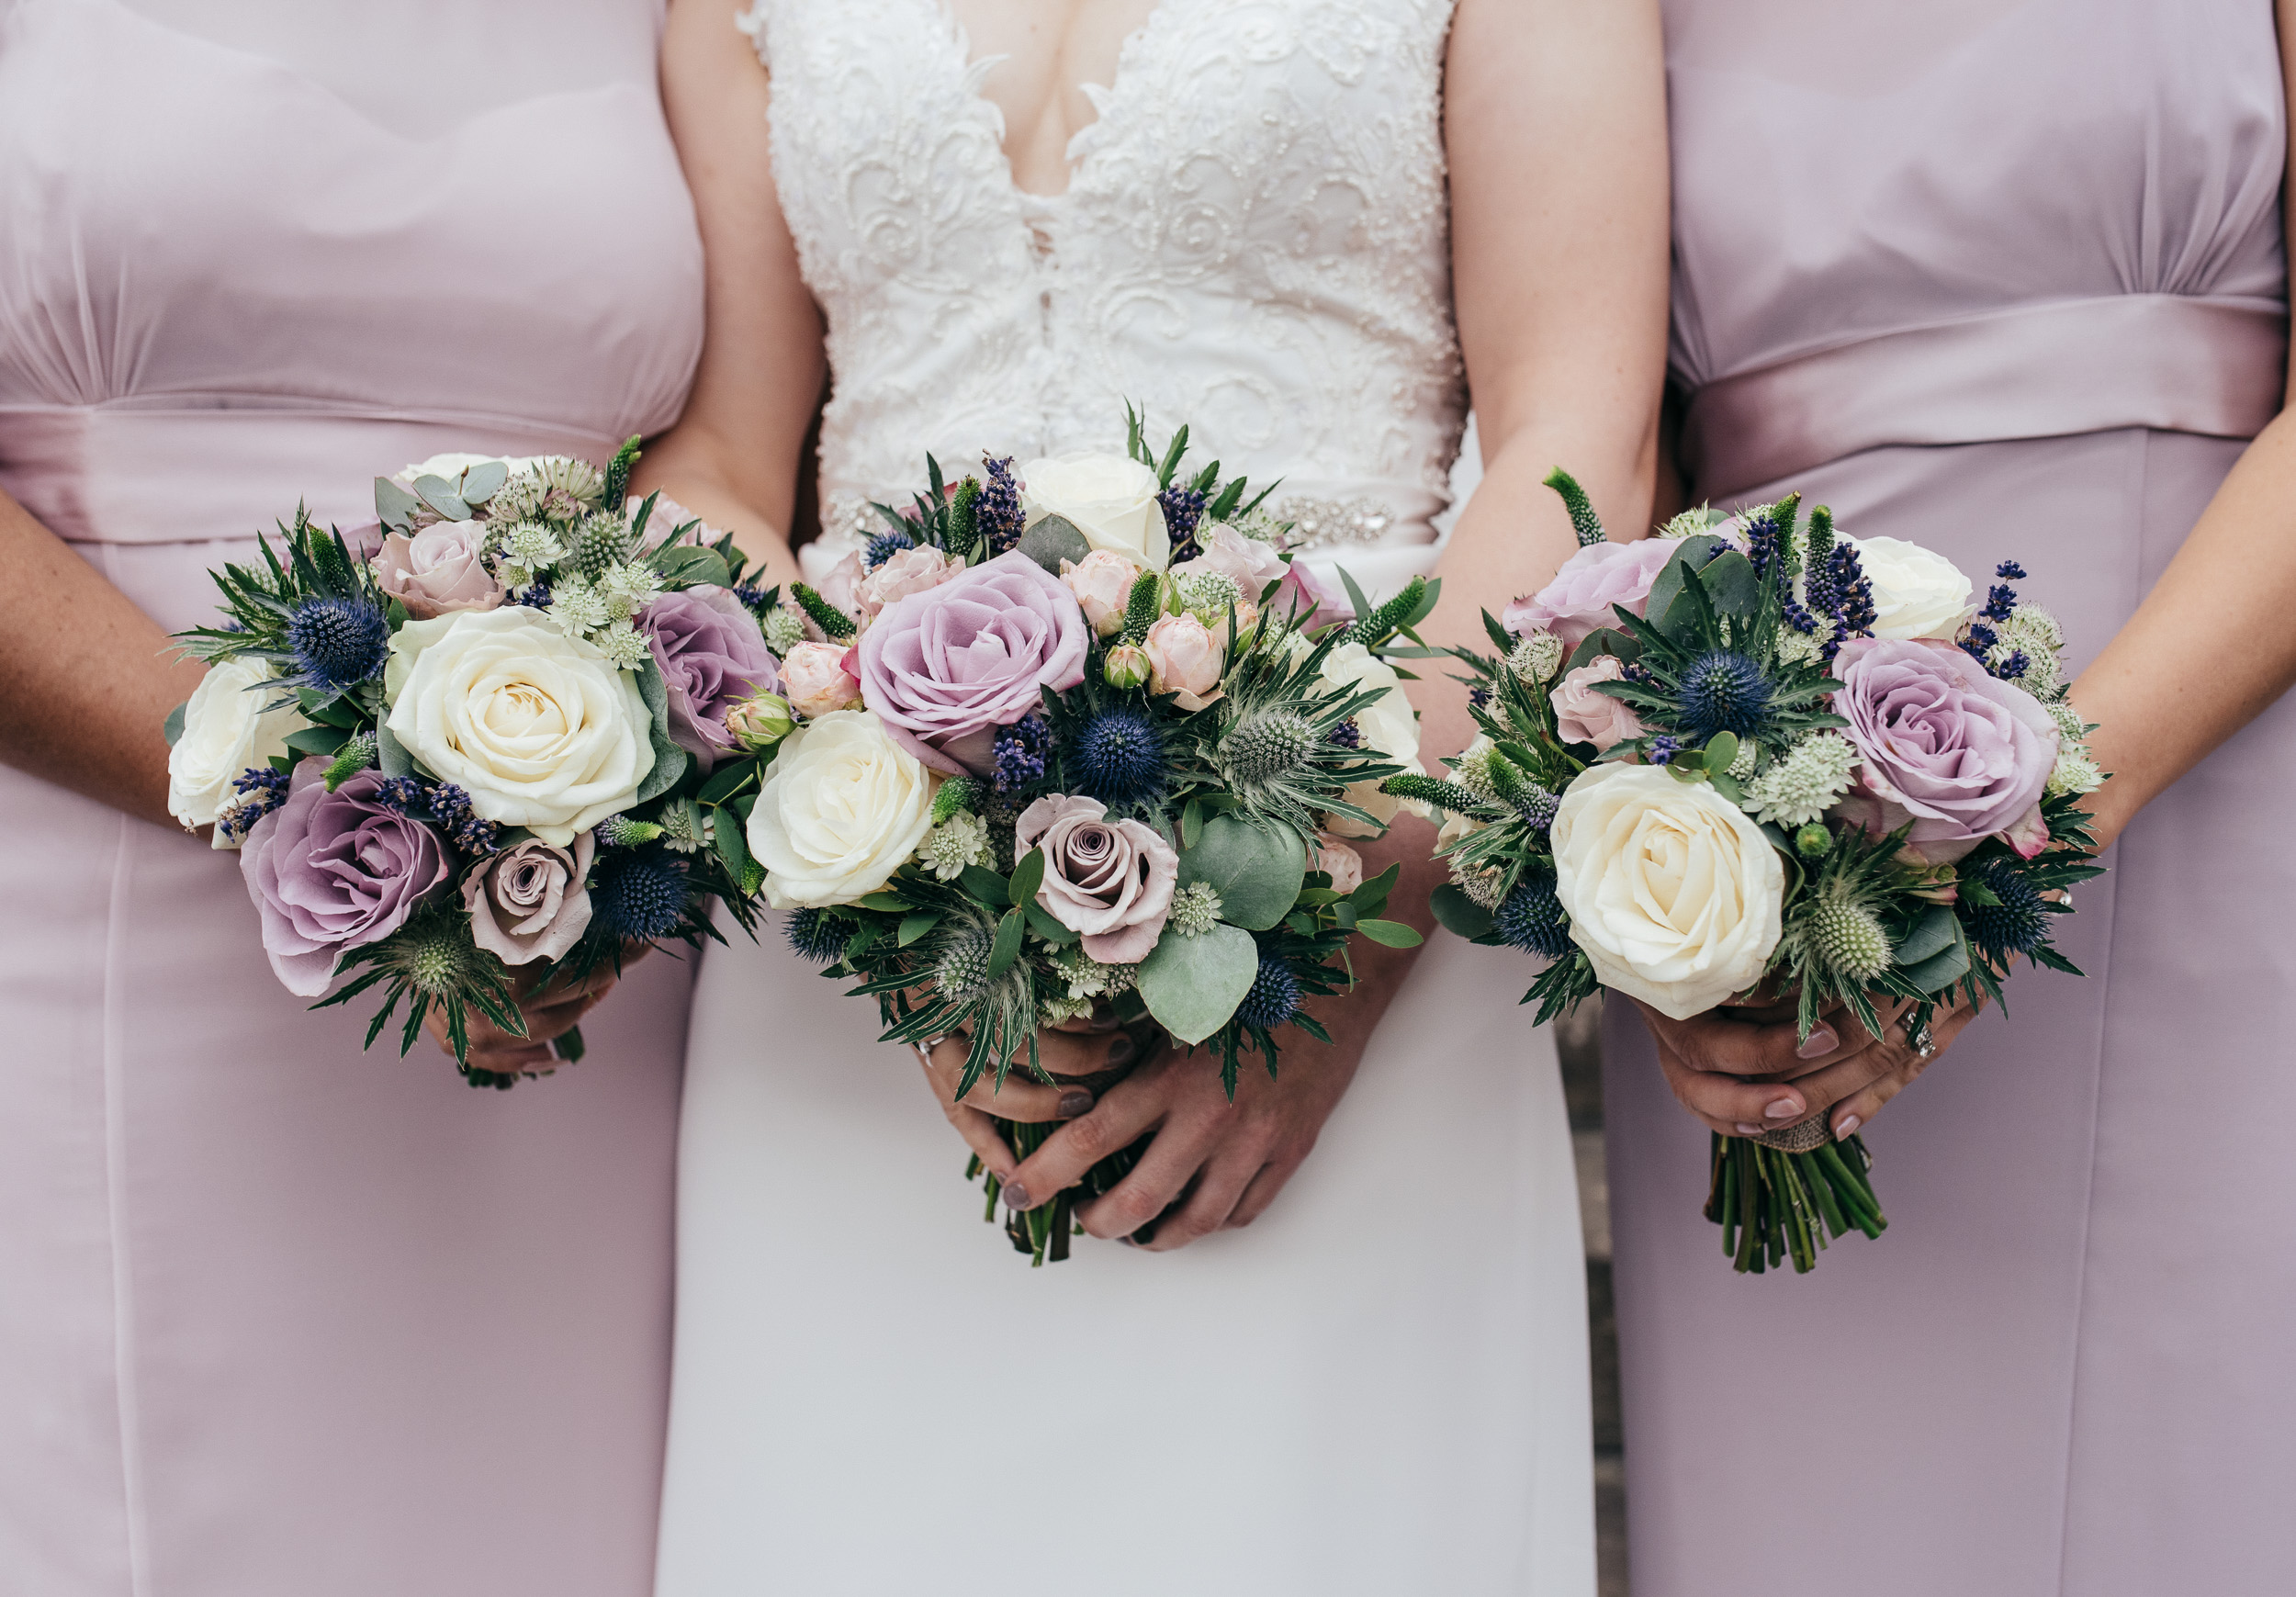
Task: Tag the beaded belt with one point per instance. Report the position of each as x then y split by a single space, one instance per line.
1316 524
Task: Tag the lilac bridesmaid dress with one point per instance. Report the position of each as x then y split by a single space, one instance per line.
2006 279
279 1318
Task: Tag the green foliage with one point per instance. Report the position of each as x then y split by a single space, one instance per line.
1584 520
834 623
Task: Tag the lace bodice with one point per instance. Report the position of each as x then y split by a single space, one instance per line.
1255 241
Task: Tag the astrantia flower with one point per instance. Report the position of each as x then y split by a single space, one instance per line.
784 630
1117 757
2032 632
576 606
959 842
1274 997
626 588
1537 655
1088 979
338 643
1722 691
623 645
1802 785
2075 772
1210 595
1195 909
1805 649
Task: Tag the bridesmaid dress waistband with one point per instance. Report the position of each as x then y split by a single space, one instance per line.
114 474
2169 361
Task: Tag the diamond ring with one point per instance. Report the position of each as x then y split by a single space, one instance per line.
1919 1038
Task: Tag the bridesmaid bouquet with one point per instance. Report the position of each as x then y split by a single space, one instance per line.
1752 753
504 728
1081 741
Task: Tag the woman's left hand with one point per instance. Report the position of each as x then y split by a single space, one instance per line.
550 1013
1214 1165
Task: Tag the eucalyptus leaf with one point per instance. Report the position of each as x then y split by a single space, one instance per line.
915 925
1458 914
325 741
1938 929
1732 584
391 754
670 760
689 566
394 506
1693 552
729 779
484 480
1257 870
1007 948
986 885
732 848
1939 971
1027 877
1604 640
440 495
1392 934
1052 540
1192 985
172 728
1721 751
1041 922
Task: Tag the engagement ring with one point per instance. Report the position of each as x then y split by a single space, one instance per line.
1918 1038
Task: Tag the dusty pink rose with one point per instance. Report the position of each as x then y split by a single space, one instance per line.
1251 563
1102 583
441 569
1312 599
910 572
530 902
1184 659
1943 744
1580 598
1111 881
1338 861
662 527
820 677
1583 715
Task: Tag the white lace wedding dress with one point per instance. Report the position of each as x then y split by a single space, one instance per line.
1381 1387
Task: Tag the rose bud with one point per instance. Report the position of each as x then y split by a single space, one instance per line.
1127 665
759 721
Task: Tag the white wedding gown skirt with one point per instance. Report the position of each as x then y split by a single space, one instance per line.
1380 1386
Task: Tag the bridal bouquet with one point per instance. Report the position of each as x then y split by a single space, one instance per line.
1080 741
503 729
1752 753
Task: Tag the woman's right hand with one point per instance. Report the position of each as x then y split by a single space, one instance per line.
1079 1049
1748 1070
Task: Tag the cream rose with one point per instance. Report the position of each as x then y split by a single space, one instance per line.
537 727
226 732
843 806
1111 499
1389 729
1917 592
1673 892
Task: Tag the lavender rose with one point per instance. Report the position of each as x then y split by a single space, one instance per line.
1583 715
1579 599
943 669
1111 881
530 902
1961 754
712 656
331 872
440 569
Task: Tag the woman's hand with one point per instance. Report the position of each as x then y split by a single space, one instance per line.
1746 1072
550 1013
1082 1048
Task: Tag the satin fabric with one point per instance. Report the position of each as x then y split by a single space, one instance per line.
2063 1368
278 1317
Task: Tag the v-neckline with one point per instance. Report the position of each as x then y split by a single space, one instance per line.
970 73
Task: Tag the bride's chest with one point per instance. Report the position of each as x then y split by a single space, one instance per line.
1232 132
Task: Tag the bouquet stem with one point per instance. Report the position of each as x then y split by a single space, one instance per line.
1044 1232
1775 1205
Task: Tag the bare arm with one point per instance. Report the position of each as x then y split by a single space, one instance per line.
1555 124
85 678
733 459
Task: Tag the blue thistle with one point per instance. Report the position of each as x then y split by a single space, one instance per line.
1274 997
1722 691
1020 753
1531 918
2018 924
816 935
997 513
337 643
472 832
1118 757
642 896
269 791
1183 513
1347 734
885 545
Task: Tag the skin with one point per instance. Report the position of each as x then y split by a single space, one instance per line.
1554 127
2234 576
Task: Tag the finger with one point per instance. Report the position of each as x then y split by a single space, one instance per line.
1729 1105
1209 1203
1015 1098
1069 1055
1155 1183
1906 1063
514 1059
1123 1115
980 1135
1261 1192
1711 1042
550 1020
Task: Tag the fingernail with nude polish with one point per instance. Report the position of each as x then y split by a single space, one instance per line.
1783 1110
1746 1131
1820 1043
1016 1195
1848 1128
1074 1102
1122 1049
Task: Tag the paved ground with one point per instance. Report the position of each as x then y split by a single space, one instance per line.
1578 1039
